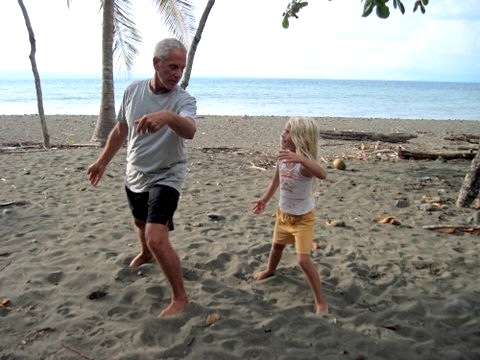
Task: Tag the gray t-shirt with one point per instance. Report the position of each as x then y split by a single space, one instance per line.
159 157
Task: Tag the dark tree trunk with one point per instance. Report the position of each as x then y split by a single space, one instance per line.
36 75
195 42
471 184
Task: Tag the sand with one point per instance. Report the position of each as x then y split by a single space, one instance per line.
396 290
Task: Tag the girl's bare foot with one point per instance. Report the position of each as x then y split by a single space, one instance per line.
140 259
175 307
322 309
260 275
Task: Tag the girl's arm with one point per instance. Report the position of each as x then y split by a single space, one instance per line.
259 205
309 167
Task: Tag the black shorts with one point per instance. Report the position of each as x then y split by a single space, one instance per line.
155 206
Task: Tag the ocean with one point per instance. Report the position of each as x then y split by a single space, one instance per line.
243 96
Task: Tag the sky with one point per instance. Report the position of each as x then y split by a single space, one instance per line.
245 38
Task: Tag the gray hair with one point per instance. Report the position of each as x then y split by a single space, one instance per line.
163 48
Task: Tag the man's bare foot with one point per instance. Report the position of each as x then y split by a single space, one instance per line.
140 259
260 275
322 309
175 307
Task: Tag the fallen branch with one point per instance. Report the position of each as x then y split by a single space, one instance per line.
221 149
452 229
79 145
470 138
14 147
14 203
39 332
362 136
467 148
255 167
4 266
423 155
78 352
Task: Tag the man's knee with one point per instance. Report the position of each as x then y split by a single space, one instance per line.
139 224
156 236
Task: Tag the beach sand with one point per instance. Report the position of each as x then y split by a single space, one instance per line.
396 290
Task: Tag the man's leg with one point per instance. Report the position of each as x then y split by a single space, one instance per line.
145 255
159 244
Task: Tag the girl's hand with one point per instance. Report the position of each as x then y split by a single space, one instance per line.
289 156
258 206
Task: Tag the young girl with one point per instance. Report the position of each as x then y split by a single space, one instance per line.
297 168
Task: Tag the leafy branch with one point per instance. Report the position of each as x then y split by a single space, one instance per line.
292 10
380 6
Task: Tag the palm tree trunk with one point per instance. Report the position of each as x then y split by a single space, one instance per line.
195 42
106 119
36 75
471 184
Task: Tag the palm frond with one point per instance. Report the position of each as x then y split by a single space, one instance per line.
126 38
179 17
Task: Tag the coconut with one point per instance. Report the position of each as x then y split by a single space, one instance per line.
339 164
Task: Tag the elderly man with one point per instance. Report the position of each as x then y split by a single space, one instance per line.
156 117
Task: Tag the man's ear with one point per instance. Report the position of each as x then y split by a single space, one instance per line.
155 62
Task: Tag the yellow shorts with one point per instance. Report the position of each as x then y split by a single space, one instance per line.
295 229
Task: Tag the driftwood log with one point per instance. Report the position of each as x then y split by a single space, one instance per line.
470 138
454 229
18 147
424 155
366 136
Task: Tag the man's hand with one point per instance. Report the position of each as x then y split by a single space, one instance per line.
153 122
95 173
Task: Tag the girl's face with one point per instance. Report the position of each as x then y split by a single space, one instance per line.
286 139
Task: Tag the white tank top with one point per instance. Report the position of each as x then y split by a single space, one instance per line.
296 196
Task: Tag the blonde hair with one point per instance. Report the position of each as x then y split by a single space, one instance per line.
304 134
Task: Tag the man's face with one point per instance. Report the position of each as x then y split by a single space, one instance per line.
169 72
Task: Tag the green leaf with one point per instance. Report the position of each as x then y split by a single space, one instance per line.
402 8
383 11
417 4
305 3
285 22
367 8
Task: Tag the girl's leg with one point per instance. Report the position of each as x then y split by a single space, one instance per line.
313 279
273 261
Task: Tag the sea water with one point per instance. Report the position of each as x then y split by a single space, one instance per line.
254 96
